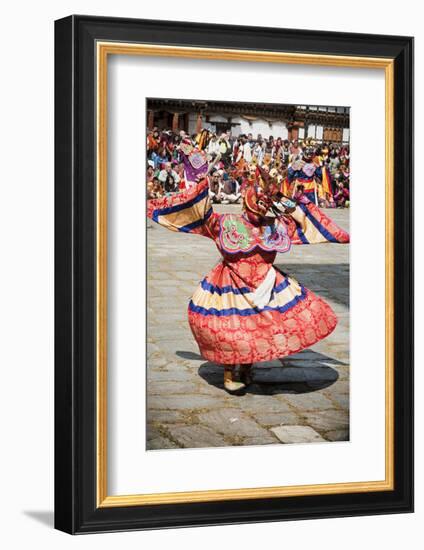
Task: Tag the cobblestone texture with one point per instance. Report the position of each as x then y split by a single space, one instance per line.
305 401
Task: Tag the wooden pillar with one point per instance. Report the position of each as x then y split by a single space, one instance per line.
150 120
289 131
199 123
175 122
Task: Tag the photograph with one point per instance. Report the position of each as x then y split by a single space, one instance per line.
248 328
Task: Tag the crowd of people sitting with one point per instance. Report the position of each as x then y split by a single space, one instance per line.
320 171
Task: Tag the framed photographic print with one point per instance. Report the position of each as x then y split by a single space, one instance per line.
234 236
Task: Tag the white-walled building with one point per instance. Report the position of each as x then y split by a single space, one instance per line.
324 124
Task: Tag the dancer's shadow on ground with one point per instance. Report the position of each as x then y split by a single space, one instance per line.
299 376
189 355
329 281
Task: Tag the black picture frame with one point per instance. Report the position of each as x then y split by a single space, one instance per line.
76 510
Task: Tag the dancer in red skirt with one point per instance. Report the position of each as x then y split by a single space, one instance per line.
246 310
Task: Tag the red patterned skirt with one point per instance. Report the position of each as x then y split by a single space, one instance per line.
230 328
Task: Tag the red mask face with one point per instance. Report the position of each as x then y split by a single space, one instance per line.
256 203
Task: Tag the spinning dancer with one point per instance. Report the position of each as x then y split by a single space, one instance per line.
245 310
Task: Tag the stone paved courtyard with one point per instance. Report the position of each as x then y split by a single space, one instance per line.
307 400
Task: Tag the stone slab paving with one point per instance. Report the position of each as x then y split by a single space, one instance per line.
307 400
297 434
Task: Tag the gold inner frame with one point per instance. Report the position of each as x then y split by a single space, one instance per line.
104 49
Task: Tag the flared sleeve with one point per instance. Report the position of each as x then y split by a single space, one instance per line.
187 212
309 225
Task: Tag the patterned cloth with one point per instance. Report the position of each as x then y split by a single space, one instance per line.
245 310
306 174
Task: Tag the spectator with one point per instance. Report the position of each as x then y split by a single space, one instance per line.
166 172
215 187
229 190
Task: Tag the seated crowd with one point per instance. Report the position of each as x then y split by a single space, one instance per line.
237 157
